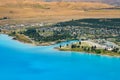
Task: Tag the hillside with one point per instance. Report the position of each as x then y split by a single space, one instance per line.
35 11
112 2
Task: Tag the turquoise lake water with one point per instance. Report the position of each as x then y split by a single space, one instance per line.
19 61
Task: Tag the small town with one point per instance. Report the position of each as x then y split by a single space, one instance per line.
104 38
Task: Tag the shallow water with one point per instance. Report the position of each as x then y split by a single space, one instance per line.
19 61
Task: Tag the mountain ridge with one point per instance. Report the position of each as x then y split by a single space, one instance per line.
112 2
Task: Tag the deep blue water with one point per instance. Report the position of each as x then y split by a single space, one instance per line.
19 61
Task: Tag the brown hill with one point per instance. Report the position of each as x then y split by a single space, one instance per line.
36 11
112 2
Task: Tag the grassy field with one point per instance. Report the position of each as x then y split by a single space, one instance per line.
21 38
86 47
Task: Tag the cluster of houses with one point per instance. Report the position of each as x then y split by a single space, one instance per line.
84 31
106 44
75 31
21 26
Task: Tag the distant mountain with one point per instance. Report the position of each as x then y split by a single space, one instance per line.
113 2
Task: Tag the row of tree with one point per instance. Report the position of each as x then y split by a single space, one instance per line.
93 23
91 49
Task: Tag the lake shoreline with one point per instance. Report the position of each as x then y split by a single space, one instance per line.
89 47
83 52
48 44
32 42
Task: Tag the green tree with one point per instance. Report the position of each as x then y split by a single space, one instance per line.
73 46
98 51
80 42
60 46
115 50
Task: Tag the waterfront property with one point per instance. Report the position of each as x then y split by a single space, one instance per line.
91 47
